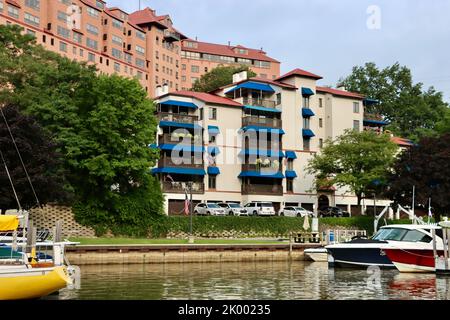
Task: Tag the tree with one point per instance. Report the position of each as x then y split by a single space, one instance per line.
357 160
412 112
219 77
40 159
427 167
443 126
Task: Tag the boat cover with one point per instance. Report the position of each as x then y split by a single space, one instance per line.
8 223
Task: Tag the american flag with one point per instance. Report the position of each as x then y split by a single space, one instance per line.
186 204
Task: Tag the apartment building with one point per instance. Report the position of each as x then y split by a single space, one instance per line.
251 141
198 58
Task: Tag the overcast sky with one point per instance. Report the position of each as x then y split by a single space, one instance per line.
327 37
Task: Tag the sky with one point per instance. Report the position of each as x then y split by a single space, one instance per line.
326 37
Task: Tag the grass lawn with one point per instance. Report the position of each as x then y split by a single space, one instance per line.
131 241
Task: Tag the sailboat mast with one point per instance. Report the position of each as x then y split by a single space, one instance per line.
10 180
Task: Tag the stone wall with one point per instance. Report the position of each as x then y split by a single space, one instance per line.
47 217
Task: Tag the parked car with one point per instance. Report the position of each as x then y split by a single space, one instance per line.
295 212
260 208
328 212
233 209
209 209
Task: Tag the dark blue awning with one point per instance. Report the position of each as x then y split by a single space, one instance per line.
179 125
307 113
153 146
308 133
184 171
258 174
291 174
213 150
307 92
213 130
253 86
213 171
184 148
262 153
370 102
262 109
261 129
291 155
179 104
375 122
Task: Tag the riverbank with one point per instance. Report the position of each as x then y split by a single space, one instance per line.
185 253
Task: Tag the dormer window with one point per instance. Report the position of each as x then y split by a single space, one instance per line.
189 44
241 51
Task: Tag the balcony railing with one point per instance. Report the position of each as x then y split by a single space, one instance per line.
271 169
261 122
176 117
170 35
259 102
262 189
180 187
177 138
189 163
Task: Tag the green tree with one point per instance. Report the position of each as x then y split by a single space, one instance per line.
412 112
359 161
427 167
219 77
443 126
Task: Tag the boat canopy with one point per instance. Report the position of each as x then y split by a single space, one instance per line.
8 223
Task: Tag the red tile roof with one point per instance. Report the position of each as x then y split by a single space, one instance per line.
402 142
228 51
205 97
301 73
147 16
341 93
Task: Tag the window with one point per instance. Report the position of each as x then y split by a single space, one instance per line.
128 57
116 53
117 40
77 37
263 75
356 107
91 43
201 114
241 51
278 98
195 69
68 2
212 138
31 32
417 236
194 79
320 143
81 52
91 57
190 55
139 75
244 61
290 165
117 24
29 18
212 113
140 50
320 103
62 16
35 4
356 126
306 102
140 35
63 46
262 64
290 185
183 78
92 12
92 29
99 4
306 123
1 6
306 144
320 123
63 32
74 50
212 182
116 67
140 63
13 12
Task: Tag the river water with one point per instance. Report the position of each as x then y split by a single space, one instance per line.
252 281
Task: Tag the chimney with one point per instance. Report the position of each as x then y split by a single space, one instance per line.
229 43
243 75
342 88
158 91
236 77
165 88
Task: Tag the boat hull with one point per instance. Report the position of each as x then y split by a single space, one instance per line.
352 257
407 260
32 283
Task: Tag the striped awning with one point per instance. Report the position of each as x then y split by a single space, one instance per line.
184 171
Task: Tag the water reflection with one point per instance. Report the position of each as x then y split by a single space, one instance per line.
250 281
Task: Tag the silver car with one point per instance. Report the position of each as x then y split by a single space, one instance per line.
295 212
234 209
209 209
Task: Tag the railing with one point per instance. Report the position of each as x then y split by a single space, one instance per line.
175 117
189 163
180 187
373 116
177 138
262 122
262 189
259 102
264 170
172 35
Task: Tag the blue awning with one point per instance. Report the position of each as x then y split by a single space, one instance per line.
185 171
262 153
291 174
375 122
153 146
213 130
258 174
179 104
179 125
307 92
262 109
370 102
308 133
253 86
291 155
213 171
184 148
269 130
306 113
213 150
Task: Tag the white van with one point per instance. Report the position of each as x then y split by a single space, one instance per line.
260 208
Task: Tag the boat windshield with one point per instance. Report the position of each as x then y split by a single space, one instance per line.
395 234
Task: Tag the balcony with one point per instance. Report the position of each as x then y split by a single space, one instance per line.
262 189
262 122
176 117
180 187
177 138
168 162
259 102
271 170
171 36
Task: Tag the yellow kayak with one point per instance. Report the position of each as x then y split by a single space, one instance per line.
31 284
